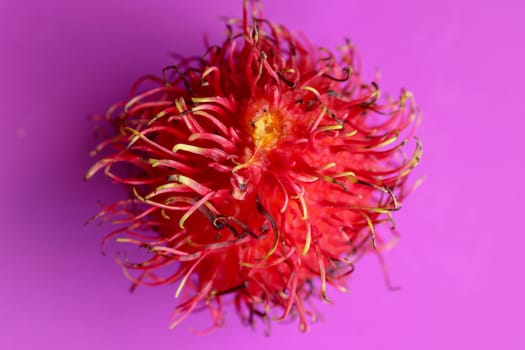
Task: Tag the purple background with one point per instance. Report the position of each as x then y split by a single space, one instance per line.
462 233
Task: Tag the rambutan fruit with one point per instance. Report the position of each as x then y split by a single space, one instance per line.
261 170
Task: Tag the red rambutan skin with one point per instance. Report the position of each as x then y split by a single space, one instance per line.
260 170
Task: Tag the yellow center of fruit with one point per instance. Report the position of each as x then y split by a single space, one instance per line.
266 130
